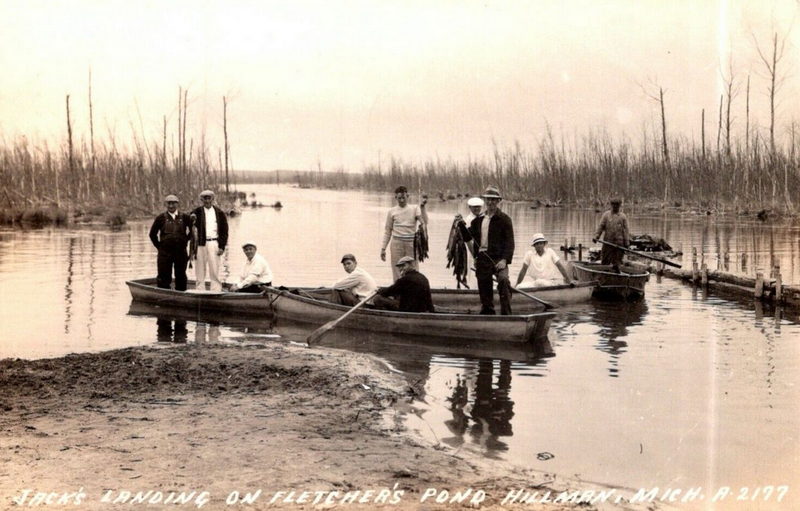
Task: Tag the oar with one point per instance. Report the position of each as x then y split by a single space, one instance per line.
317 334
670 263
547 305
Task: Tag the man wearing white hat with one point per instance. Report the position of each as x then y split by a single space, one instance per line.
170 233
255 272
542 266
492 235
212 237
475 205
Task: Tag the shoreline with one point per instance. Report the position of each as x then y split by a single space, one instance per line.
224 419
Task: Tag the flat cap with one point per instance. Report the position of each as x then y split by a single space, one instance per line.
249 244
475 201
350 257
171 198
206 193
403 260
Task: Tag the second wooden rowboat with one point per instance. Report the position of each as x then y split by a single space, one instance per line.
627 283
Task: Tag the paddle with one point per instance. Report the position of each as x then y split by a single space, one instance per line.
670 263
547 305
317 334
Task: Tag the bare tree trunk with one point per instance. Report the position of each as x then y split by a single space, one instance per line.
225 132
719 125
70 159
703 132
663 126
747 120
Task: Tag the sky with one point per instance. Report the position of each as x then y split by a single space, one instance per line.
345 84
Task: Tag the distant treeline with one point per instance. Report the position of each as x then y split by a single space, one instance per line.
745 179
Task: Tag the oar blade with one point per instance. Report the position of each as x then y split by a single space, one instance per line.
317 334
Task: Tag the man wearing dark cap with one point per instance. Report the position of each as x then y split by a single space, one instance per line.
212 237
170 233
401 227
410 293
357 285
492 235
614 224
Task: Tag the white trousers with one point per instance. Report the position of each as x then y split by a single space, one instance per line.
207 255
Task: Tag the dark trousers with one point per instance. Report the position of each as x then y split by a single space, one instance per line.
344 297
386 303
611 255
167 259
484 271
253 288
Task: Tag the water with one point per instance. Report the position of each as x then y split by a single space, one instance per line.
680 390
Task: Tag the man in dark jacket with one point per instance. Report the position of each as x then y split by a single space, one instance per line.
170 234
411 292
212 238
492 235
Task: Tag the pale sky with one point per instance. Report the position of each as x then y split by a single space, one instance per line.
347 83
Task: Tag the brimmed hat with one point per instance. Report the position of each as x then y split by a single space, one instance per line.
403 260
351 257
475 201
171 198
249 243
206 193
615 200
538 238
492 192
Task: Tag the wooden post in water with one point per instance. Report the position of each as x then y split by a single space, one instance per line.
580 251
704 275
778 284
758 292
744 261
694 264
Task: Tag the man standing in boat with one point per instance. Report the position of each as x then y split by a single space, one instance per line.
357 285
410 293
170 234
614 224
492 235
212 237
401 227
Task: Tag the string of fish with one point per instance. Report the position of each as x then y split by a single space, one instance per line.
457 256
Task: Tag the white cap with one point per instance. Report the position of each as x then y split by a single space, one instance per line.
475 201
537 238
249 243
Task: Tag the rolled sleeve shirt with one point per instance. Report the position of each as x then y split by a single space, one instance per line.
359 282
255 271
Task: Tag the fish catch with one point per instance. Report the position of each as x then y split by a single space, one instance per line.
457 256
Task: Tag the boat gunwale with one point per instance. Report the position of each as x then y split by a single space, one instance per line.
583 266
438 316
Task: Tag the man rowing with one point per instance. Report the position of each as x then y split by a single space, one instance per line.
492 235
357 285
410 293
542 266
401 227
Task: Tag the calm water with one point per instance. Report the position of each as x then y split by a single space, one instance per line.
679 390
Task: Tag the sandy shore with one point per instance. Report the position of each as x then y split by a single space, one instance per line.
226 419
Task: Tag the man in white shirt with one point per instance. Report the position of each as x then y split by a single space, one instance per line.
401 227
357 285
212 237
542 266
255 273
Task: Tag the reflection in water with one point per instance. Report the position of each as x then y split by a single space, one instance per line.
614 319
168 330
68 286
490 412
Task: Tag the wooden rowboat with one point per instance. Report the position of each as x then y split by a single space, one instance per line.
627 284
311 307
145 290
467 300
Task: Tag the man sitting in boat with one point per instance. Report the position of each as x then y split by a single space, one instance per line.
410 293
357 285
542 266
256 272
614 224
